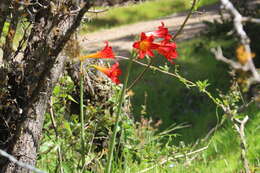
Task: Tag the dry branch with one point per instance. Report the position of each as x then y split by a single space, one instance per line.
245 41
240 128
173 158
14 160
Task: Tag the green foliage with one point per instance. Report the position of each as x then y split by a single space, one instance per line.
136 142
139 12
139 143
202 85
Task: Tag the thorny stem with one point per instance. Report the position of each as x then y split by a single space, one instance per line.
139 77
119 108
185 21
82 140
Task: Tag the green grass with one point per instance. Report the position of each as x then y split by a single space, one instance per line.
223 154
139 12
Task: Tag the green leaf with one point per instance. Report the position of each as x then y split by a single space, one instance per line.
202 85
56 90
72 99
67 127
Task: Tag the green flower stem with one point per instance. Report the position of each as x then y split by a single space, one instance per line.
119 108
59 152
82 139
186 82
185 21
139 77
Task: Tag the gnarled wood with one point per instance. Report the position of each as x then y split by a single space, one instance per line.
32 78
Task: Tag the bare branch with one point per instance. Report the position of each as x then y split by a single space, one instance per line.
8 46
219 56
14 160
238 26
240 128
250 19
98 11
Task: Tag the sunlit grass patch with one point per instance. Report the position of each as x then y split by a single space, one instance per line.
148 10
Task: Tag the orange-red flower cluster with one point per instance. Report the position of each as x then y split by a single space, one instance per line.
145 47
113 72
106 53
164 46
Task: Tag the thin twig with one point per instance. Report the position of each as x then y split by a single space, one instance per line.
250 19
173 158
21 164
23 40
185 21
53 120
188 83
155 68
98 11
214 129
139 77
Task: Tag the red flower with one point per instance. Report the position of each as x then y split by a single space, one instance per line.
113 73
162 32
168 50
106 52
164 47
145 45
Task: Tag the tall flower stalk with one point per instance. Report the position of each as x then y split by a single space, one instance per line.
82 139
118 113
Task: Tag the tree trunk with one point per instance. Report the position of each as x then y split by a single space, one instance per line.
28 83
29 131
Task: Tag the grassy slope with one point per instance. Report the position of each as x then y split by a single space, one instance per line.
168 100
223 154
140 12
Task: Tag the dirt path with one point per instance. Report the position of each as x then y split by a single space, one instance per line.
122 38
